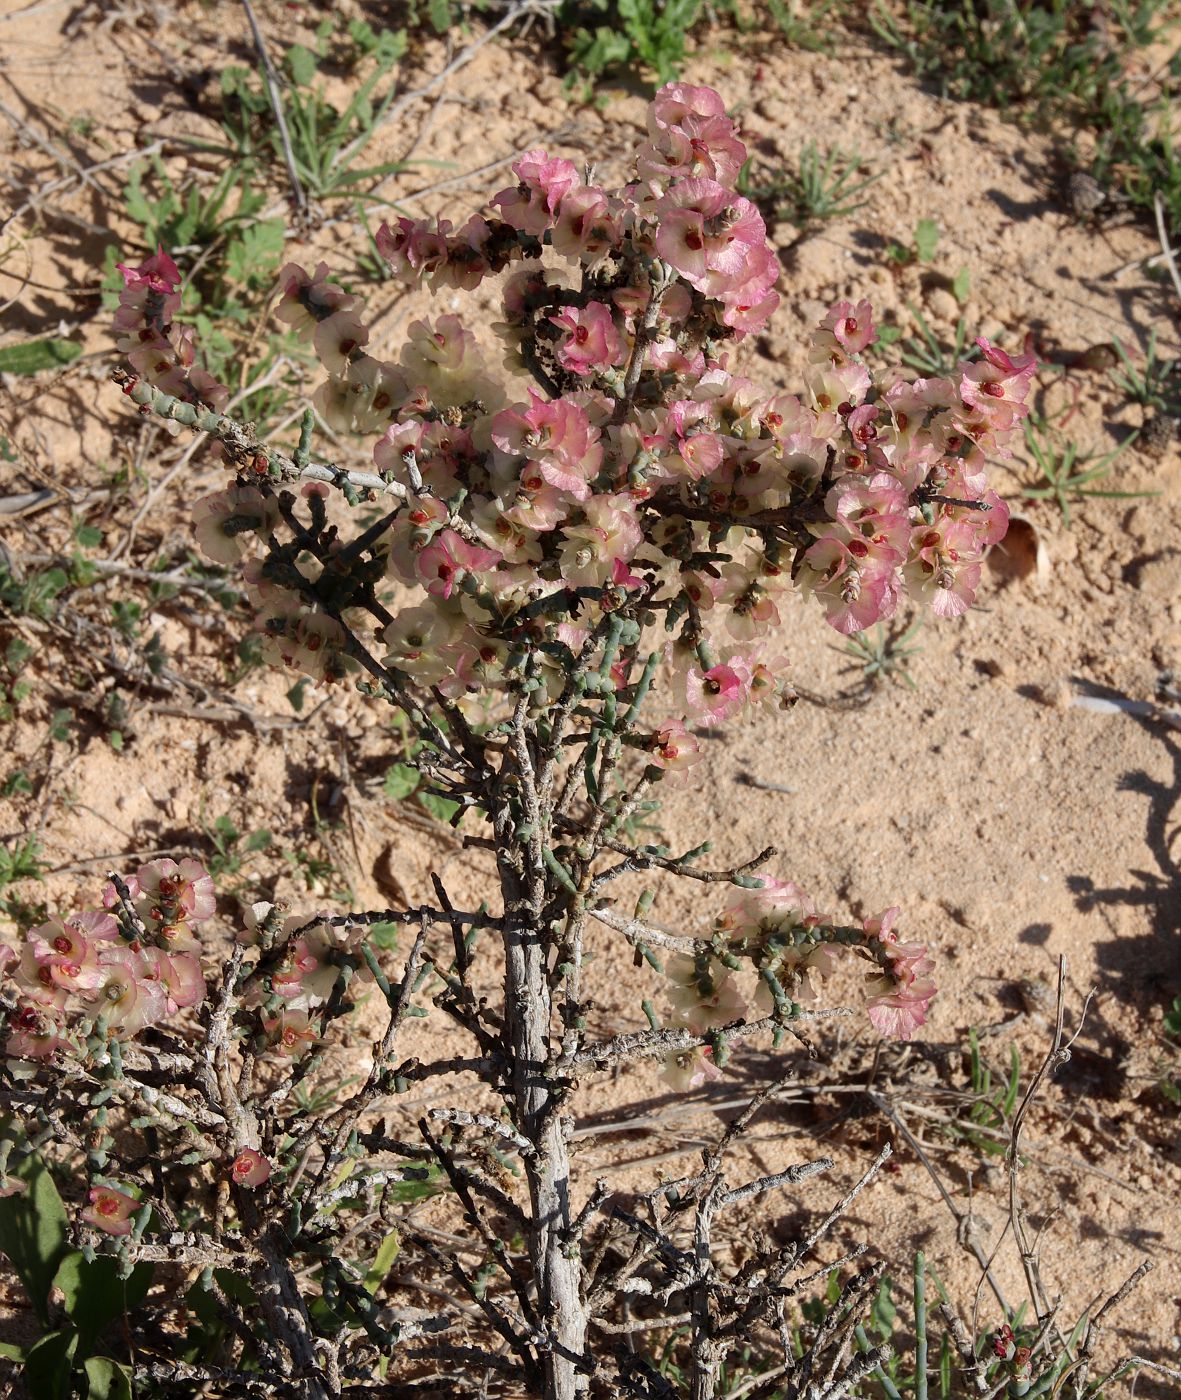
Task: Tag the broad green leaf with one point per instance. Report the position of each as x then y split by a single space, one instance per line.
96 1295
439 12
255 252
383 1262
49 1363
301 64
401 779
108 1380
441 808
417 1183
926 237
34 1231
384 936
961 285
392 44
10 1352
34 356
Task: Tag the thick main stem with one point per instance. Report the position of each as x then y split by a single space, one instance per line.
557 1267
528 1011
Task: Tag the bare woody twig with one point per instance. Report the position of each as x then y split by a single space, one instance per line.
276 99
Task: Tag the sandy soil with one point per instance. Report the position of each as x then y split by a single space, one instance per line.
1012 825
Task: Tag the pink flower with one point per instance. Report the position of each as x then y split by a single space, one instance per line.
542 182
224 521
179 975
586 227
691 1068
176 894
851 326
250 1168
943 570
110 1210
305 300
150 296
447 559
558 437
856 579
622 576
904 990
717 693
997 385
690 135
338 339
673 748
710 236
591 342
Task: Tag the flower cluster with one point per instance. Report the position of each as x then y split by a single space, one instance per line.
776 930
113 970
159 351
303 959
641 466
637 481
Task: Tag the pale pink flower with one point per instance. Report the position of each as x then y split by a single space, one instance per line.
35 1034
673 747
903 991
704 996
442 565
592 341
224 521
364 398
110 1210
691 1068
899 1014
249 1168
304 980
307 299
796 970
542 182
338 339
129 998
290 1032
443 358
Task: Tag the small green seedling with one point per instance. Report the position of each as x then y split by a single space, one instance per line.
827 186
884 653
1065 473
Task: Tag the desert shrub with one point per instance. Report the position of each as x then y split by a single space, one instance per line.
563 571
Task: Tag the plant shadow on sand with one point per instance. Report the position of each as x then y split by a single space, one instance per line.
1144 969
